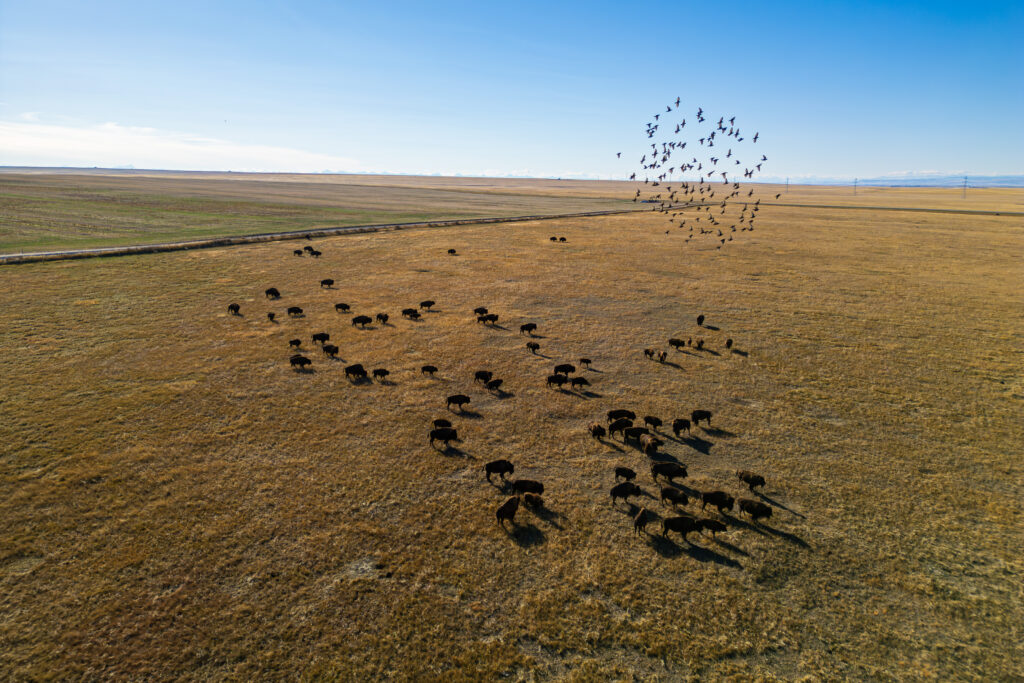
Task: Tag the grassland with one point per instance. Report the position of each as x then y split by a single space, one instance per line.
176 502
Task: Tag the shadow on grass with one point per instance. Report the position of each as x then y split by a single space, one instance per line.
675 365
615 446
698 444
525 535
668 548
468 414
715 431
712 328
548 515
744 354
777 504
304 371
453 452
730 547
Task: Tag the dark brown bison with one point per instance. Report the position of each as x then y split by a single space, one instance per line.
674 496
712 525
650 444
624 473
532 500
634 433
719 499
297 252
491 318
362 321
480 310
533 346
355 372
640 521
750 479
272 293
699 345
299 361
457 400
494 385
441 422
316 254
677 344
427 304
699 415
528 327
507 511
700 320
342 308
428 370
585 362
271 316
619 425
578 382
557 380
755 508
452 252
680 525
407 312
414 315
652 422
669 470
444 435
483 376
625 490
380 374
382 318
597 430
330 350
527 486
554 239
662 355
233 309
294 311
679 424
651 353
614 415
307 248
327 282
295 343
499 467
728 343
321 338
565 369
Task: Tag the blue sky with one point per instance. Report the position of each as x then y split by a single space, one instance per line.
836 89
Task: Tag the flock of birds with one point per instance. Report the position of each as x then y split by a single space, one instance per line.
646 438
694 175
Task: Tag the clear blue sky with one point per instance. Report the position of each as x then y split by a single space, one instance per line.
843 89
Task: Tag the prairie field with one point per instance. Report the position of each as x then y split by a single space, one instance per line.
177 502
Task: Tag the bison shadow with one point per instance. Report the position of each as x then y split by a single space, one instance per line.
548 515
715 431
609 442
712 328
304 371
731 548
792 538
710 351
501 394
364 327
668 548
740 353
591 394
355 381
541 355
453 452
497 326
677 366
777 504
468 414
594 370
662 456
385 382
698 444
526 535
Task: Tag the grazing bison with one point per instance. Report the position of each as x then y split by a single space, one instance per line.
321 338
677 344
308 248
712 525
651 353
585 362
507 510
441 422
554 239
414 315
294 311
362 321
561 239
491 318
719 499
382 318
640 521
624 473
407 312
700 320
620 413
428 370
427 304
527 486
297 252
533 346
330 350
662 355
272 293
596 430
271 316
483 376
625 490
295 343
652 422
674 496
327 282
619 425
299 361
577 382
750 479
650 444
499 467
380 373
700 345
444 435
699 415
728 343
494 385
355 372
755 508
557 380
457 400
342 308
669 470
532 500
634 432
480 310
565 369
233 309
680 525
528 327
679 424
452 252
316 254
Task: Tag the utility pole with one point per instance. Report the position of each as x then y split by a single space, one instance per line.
964 195
787 185
854 187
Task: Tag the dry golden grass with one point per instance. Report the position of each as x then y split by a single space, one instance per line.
176 502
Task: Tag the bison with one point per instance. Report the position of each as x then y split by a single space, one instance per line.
499 467
699 415
480 310
271 316
414 315
327 282
534 501
619 426
565 369
294 311
533 346
528 327
755 508
233 309
382 318
316 254
299 361
362 321
380 374
620 413
578 382
679 424
561 239
342 308
494 385
712 525
728 343
640 521
674 496
677 344
634 433
596 430
297 252
444 435
458 400
624 473
330 350
585 362
527 486
321 338
652 422
355 372
669 470
750 479
680 525
441 422
557 380
294 343
700 320
719 499
650 444
428 370
662 355
272 293
625 490
699 345
507 510
554 239
407 312
452 252
427 304
651 353
483 376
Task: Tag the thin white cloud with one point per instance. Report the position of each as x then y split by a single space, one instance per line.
30 143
